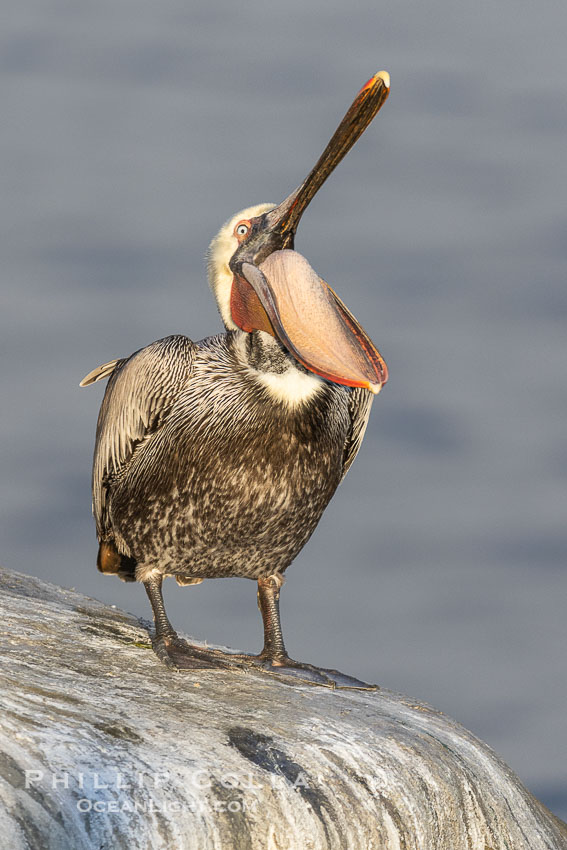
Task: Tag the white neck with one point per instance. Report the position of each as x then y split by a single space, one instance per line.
291 388
276 370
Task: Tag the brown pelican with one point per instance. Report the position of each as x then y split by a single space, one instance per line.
218 458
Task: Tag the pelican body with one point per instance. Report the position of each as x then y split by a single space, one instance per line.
218 458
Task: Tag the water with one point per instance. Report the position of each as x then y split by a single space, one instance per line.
130 132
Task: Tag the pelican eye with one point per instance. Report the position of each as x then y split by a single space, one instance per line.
242 229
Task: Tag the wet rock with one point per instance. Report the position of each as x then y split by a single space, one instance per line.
101 747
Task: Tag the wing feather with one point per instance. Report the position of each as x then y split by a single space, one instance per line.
100 372
360 403
138 398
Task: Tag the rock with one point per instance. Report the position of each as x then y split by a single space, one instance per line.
102 747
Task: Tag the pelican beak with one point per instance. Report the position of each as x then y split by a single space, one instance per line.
276 290
284 218
312 322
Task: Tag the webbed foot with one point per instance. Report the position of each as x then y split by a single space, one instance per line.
177 654
308 673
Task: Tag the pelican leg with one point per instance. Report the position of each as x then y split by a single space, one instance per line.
269 604
172 650
176 653
274 656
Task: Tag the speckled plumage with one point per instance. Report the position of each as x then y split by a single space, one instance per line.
201 471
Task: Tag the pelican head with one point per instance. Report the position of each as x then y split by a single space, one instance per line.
221 250
261 283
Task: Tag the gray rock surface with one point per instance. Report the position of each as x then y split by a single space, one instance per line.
101 747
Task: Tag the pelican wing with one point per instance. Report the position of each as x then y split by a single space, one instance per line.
138 398
360 404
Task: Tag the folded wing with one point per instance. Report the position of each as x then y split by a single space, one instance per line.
138 398
360 403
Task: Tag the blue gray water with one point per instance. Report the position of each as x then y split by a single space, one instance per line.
131 130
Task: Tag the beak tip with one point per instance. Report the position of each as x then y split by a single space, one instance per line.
385 77
375 388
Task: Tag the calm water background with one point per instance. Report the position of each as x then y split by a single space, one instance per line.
131 130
